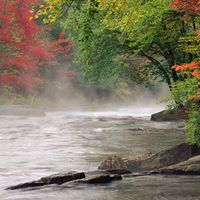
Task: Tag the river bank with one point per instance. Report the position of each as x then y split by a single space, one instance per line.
182 159
32 147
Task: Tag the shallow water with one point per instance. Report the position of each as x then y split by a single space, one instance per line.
31 147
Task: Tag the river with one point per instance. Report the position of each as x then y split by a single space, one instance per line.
66 140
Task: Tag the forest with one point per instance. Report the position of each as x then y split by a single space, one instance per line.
106 44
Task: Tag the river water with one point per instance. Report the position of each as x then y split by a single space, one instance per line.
63 141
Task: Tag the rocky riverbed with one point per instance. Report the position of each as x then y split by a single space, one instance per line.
182 159
37 146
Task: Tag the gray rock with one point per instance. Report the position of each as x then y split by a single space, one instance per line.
174 155
170 115
53 179
118 171
101 179
189 167
112 162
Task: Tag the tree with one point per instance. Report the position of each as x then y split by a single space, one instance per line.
22 50
152 29
26 55
148 29
190 92
189 6
190 44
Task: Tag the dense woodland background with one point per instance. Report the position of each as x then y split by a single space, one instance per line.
104 46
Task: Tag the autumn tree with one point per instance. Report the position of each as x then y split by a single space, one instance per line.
188 90
26 55
148 29
22 50
190 43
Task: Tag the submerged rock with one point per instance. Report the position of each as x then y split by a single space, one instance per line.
189 167
75 178
53 179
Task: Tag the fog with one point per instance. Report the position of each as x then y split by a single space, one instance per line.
69 94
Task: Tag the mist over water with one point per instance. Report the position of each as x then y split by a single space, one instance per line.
137 100
77 137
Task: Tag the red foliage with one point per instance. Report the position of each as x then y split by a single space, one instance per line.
22 47
191 7
21 51
187 5
62 48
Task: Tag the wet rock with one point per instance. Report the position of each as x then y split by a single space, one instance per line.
167 157
53 179
174 155
118 171
112 162
170 115
189 167
116 177
135 165
101 179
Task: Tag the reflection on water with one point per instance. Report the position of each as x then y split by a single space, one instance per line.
31 147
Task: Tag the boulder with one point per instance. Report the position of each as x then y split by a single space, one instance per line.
166 157
170 115
174 155
53 179
113 162
189 167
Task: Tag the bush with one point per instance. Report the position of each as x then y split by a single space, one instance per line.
182 92
193 128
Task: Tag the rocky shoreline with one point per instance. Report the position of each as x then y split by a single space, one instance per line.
182 159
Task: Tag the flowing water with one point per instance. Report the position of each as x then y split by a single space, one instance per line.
32 147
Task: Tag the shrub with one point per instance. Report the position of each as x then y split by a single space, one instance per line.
193 127
184 92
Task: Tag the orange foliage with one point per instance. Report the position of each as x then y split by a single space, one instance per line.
191 66
194 66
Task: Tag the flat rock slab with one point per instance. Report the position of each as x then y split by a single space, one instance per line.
189 167
102 179
53 179
119 171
